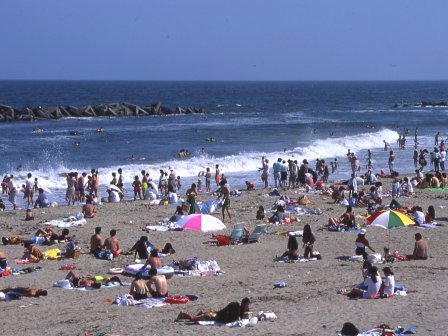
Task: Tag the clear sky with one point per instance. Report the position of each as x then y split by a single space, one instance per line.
224 40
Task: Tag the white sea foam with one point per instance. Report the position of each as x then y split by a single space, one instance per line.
244 163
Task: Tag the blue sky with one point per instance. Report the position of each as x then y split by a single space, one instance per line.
224 40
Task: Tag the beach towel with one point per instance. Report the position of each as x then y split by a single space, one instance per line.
387 330
128 300
72 221
300 259
66 284
17 271
196 267
261 316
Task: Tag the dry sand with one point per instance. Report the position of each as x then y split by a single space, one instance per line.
309 304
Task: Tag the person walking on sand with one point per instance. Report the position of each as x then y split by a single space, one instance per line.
225 189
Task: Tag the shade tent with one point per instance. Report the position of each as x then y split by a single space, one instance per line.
200 222
389 219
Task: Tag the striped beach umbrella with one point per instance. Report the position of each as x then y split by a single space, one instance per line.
389 219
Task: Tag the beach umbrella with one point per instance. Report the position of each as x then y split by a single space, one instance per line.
113 187
200 222
389 219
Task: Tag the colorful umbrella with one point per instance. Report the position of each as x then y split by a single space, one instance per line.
200 222
389 219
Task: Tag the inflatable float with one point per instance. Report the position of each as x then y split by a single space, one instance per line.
167 271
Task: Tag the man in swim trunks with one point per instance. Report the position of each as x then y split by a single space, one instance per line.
159 281
112 244
96 241
225 190
88 210
80 195
154 261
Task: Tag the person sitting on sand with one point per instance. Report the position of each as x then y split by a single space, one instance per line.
33 251
338 195
96 242
250 185
260 213
279 215
372 284
42 200
154 261
349 329
388 286
420 248
27 292
292 251
159 282
88 210
178 214
361 244
232 312
407 188
139 290
112 244
80 281
3 263
430 215
308 240
347 219
141 248
419 216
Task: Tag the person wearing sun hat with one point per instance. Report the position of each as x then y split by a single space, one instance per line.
349 329
361 244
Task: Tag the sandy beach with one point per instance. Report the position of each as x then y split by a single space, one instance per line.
309 305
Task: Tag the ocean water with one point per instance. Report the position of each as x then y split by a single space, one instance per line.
249 120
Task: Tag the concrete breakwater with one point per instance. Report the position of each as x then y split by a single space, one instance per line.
8 113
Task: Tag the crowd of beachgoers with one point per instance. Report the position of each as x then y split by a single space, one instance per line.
287 191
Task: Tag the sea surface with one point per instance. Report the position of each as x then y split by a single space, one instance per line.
249 120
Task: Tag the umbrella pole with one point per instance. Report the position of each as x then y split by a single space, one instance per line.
388 244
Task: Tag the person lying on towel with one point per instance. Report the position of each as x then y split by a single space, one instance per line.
80 281
24 291
232 312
